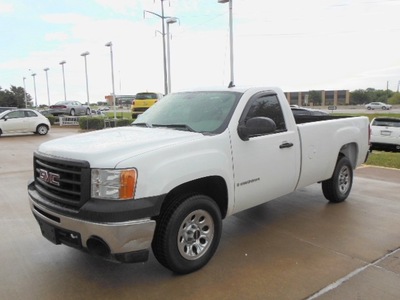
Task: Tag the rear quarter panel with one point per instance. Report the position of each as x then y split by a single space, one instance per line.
321 143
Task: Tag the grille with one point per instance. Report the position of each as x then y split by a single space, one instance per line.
65 183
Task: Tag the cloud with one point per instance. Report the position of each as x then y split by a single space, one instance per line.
6 8
56 36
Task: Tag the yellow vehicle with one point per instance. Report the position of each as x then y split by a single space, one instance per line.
143 101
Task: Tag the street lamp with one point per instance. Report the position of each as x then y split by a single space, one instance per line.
47 82
109 44
163 40
84 54
232 83
34 87
26 103
62 66
169 22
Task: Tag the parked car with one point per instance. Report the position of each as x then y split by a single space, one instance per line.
143 101
302 111
6 108
23 120
72 108
378 105
385 134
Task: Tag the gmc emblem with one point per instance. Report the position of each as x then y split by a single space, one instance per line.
49 177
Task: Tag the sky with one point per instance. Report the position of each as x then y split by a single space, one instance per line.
295 45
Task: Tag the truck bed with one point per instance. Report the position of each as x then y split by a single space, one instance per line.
301 119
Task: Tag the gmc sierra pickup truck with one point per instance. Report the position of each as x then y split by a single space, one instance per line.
193 159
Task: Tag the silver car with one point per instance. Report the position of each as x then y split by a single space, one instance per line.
378 105
73 108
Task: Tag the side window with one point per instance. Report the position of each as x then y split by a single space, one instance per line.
267 106
16 114
29 113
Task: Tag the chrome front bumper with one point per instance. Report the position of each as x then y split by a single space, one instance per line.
120 237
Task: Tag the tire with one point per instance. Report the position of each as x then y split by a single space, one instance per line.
72 112
338 187
187 233
369 108
384 108
42 129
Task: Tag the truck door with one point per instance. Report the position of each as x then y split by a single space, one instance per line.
265 166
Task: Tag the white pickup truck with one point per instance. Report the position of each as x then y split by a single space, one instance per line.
188 162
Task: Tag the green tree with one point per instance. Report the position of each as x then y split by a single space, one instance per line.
360 97
315 97
395 99
14 97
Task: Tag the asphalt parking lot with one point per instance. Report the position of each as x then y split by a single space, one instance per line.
295 247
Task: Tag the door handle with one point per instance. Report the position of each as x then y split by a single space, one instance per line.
286 145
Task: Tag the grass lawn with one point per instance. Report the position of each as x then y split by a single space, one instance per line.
381 158
384 159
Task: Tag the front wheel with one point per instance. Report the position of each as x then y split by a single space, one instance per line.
188 234
338 187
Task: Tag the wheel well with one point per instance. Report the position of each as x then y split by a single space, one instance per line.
42 124
351 152
213 186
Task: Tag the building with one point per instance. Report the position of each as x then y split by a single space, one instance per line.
120 99
322 98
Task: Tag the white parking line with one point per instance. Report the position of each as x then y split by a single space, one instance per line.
342 280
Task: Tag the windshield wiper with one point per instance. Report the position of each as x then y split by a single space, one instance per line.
142 124
176 126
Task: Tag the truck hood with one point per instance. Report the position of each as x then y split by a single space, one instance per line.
111 146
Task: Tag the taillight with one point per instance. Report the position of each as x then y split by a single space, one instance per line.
369 134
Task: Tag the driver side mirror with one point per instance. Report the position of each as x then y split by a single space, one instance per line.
256 126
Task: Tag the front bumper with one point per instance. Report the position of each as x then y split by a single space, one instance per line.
127 241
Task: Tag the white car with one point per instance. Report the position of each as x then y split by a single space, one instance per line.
23 120
378 105
385 134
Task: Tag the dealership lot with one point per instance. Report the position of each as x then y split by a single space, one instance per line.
296 247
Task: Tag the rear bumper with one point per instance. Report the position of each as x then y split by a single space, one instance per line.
127 241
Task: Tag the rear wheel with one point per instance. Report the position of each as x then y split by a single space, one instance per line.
338 187
72 112
188 234
42 129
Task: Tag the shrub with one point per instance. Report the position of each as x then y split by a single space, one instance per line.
96 123
52 119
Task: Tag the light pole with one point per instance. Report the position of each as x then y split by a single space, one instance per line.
47 82
169 22
34 87
84 54
163 41
62 63
26 103
232 83
109 44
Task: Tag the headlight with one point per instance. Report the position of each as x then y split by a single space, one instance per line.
113 184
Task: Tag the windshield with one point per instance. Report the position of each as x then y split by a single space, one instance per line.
145 96
386 122
205 112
